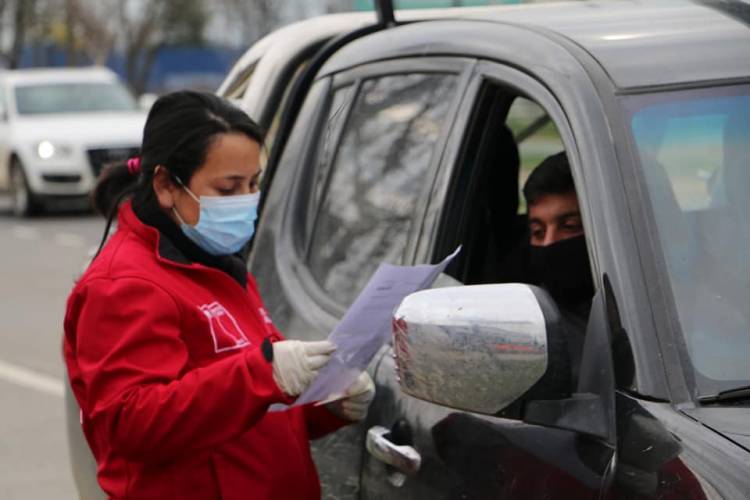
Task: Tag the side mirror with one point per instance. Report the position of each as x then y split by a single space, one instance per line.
480 348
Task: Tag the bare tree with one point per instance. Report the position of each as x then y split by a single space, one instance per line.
139 28
142 42
4 7
253 18
23 15
160 23
30 23
88 29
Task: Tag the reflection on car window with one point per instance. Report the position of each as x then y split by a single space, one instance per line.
334 123
536 136
694 148
377 175
73 98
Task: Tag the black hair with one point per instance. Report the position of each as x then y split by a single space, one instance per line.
551 176
179 130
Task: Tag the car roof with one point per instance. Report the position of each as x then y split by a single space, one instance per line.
650 42
286 41
637 43
271 55
58 75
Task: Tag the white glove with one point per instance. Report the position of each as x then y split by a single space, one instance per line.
296 364
357 399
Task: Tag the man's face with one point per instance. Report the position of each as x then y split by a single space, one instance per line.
553 218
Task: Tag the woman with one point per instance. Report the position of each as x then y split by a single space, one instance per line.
170 353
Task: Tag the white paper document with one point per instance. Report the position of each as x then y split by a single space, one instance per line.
366 326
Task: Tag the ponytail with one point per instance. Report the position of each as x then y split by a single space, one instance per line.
116 182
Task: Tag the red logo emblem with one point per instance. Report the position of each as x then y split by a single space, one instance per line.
225 331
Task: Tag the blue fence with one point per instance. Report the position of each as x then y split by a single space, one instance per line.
174 67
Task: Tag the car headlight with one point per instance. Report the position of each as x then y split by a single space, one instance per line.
47 149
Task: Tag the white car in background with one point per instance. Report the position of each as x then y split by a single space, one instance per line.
59 128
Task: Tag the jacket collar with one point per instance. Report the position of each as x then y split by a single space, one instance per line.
162 246
171 245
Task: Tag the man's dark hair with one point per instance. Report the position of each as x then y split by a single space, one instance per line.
552 176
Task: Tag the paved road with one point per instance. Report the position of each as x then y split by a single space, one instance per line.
40 259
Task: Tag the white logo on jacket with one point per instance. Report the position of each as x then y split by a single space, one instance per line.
225 331
265 316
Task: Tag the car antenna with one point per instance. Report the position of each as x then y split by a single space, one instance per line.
386 16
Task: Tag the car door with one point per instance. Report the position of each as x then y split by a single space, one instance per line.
520 453
348 193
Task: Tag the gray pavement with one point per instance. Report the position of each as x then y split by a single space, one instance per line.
40 259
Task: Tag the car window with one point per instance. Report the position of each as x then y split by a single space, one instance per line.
337 114
536 137
691 152
510 139
694 155
377 174
80 97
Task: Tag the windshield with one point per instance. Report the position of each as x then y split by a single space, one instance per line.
694 149
73 98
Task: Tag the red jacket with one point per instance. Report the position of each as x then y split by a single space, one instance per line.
164 359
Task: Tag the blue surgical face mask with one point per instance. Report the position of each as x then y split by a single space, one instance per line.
225 223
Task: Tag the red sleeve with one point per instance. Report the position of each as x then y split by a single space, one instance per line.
135 388
321 421
318 419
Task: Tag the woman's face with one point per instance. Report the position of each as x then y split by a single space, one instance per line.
232 167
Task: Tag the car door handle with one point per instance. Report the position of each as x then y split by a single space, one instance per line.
404 458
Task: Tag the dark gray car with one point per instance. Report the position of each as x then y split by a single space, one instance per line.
402 142
398 142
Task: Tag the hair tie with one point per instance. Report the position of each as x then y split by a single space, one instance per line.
134 165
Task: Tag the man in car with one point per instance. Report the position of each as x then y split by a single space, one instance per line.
558 260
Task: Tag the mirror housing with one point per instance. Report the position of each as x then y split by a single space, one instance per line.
480 348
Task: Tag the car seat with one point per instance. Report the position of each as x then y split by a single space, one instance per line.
498 234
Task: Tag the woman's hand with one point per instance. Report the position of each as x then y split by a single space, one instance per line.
357 399
296 363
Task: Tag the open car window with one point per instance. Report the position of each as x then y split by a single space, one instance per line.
535 135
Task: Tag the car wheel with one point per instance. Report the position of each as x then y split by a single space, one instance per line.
23 200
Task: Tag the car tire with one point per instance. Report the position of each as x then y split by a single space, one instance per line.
23 200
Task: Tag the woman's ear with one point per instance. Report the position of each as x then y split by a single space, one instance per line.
164 188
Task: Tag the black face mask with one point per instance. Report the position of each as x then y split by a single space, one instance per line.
563 269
